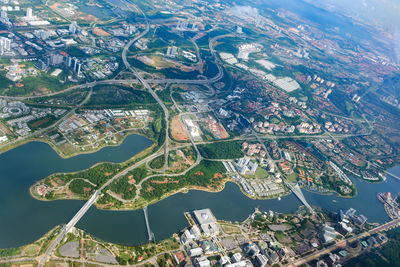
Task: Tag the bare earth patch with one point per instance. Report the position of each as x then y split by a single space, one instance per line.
177 130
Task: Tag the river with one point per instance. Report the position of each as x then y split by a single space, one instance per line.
24 219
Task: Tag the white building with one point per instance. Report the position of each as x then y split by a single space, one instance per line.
246 166
194 252
202 262
73 27
5 45
29 15
207 222
190 235
328 234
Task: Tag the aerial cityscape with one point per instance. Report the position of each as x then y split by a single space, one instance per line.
226 133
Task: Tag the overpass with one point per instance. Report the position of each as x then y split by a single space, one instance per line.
299 194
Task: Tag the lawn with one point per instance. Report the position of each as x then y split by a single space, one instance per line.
261 173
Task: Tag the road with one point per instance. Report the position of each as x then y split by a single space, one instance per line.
147 86
51 126
67 228
128 66
343 243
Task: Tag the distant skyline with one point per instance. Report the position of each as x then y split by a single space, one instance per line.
385 13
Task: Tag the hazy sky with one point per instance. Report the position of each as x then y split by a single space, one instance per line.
385 12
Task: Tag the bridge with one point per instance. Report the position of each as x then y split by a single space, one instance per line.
146 218
81 212
68 227
299 194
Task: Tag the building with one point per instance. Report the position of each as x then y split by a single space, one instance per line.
236 257
3 139
78 69
333 258
172 51
4 14
261 260
224 260
55 59
359 220
68 61
272 256
344 227
5 45
194 252
4 18
238 264
190 235
321 263
328 234
41 65
74 64
246 166
251 249
202 262
29 15
207 222
73 27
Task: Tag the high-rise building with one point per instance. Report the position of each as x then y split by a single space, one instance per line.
55 59
78 71
4 14
75 63
5 45
73 27
68 61
29 13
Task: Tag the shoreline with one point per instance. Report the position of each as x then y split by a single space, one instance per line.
182 190
133 158
67 156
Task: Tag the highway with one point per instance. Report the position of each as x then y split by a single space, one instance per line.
114 81
141 79
147 86
94 197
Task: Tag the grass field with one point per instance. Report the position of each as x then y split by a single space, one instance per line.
261 173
